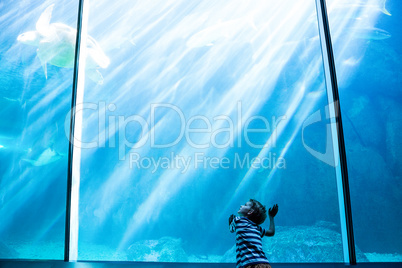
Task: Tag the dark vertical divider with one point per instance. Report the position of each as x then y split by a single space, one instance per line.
71 136
341 141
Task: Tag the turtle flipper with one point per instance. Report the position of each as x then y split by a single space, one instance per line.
42 25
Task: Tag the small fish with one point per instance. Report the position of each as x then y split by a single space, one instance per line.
379 6
352 10
48 156
12 100
369 33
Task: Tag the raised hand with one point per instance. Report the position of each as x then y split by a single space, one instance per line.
272 211
231 218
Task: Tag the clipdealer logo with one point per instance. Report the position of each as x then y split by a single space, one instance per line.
111 132
202 160
329 156
199 133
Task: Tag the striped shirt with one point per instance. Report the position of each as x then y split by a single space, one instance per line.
248 242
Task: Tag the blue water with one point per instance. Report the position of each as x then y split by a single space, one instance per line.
202 106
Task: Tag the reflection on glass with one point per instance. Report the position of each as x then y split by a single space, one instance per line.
201 108
36 77
367 56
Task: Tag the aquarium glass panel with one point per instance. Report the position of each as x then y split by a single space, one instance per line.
366 41
191 109
37 55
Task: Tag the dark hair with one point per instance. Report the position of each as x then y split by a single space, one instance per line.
259 212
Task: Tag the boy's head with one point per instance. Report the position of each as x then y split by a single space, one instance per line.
254 211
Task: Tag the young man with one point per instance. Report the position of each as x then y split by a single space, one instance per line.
249 253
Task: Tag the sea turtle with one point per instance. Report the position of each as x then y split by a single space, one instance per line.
56 46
